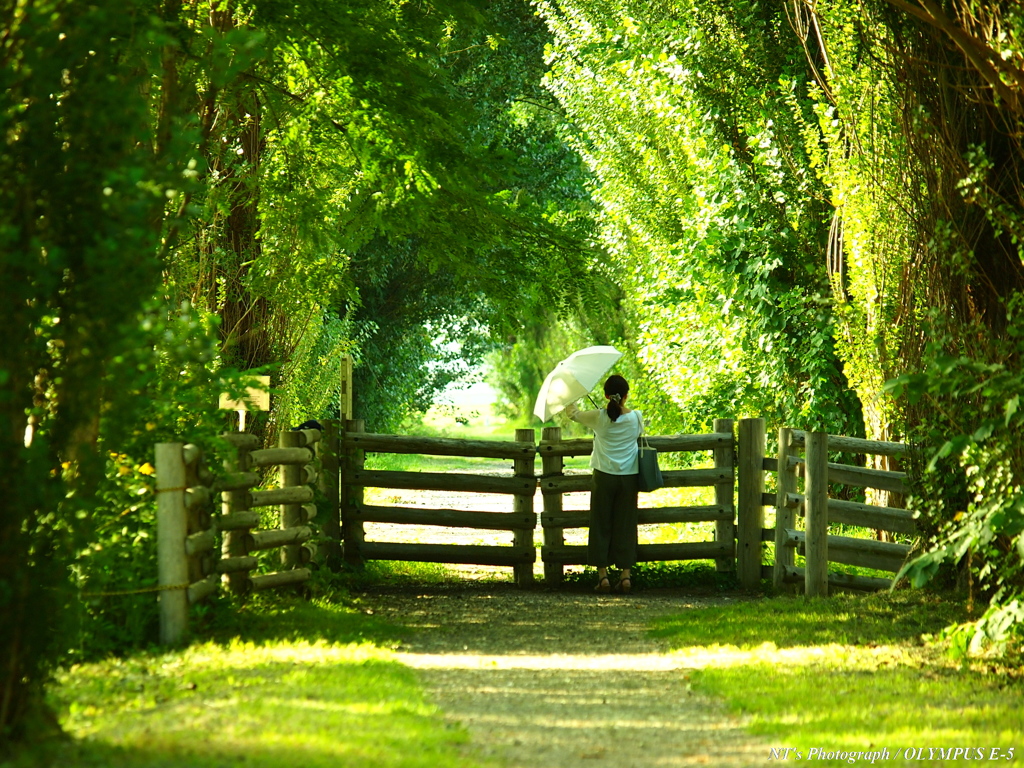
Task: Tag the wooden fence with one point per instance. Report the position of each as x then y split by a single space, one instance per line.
738 473
191 565
819 510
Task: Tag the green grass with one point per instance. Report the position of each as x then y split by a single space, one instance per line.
473 422
399 573
302 684
412 462
698 575
850 673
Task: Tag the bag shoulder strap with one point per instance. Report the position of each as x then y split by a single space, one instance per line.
642 438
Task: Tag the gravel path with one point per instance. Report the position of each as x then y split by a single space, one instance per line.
561 679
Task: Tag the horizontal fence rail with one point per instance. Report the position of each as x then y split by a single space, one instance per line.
840 444
446 518
438 481
677 478
440 446
655 516
872 516
466 554
687 550
661 443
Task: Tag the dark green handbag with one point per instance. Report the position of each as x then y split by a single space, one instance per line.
650 473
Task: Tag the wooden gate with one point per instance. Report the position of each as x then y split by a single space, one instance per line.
521 485
819 510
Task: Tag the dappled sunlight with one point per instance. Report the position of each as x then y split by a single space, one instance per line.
564 679
242 655
275 705
554 660
843 620
700 657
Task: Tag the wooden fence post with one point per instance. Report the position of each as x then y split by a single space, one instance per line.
816 512
290 476
750 506
201 539
171 530
725 530
352 533
345 391
196 518
327 451
236 541
522 503
554 538
785 515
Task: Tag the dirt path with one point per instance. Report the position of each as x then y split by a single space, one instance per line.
553 678
557 679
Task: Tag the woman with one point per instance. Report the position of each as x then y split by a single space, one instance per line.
613 515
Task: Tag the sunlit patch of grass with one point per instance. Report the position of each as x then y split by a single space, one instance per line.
901 617
256 700
395 573
848 673
412 462
475 422
855 699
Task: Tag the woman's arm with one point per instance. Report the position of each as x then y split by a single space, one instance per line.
586 418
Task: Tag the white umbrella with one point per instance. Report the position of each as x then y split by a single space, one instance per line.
573 378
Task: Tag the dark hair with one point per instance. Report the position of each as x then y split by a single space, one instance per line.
616 388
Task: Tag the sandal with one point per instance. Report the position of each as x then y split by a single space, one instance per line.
603 585
624 585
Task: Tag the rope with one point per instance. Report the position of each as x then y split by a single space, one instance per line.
169 490
142 591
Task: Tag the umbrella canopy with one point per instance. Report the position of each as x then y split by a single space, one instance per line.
573 378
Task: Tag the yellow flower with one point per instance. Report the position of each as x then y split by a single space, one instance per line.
123 470
150 426
146 469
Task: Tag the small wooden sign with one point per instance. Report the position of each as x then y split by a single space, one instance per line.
256 399
345 393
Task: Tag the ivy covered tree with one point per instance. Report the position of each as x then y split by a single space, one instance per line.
689 116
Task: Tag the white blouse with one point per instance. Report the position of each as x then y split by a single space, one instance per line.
615 446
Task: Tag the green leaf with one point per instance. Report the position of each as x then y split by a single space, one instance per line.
923 569
1010 408
983 432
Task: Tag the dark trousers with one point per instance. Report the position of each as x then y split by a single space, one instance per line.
613 520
